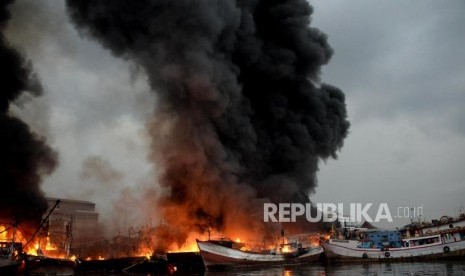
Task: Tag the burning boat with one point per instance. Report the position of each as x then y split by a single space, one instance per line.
11 249
9 256
22 254
217 254
410 243
42 265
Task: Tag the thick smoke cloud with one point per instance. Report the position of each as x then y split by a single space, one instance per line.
241 113
24 157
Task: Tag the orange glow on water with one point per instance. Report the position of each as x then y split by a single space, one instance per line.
287 273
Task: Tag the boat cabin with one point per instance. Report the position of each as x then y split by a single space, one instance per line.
7 248
381 239
421 241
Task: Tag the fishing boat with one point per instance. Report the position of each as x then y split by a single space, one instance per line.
41 265
387 245
17 254
217 254
10 258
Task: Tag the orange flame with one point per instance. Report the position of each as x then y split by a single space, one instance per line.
3 233
286 249
189 246
35 247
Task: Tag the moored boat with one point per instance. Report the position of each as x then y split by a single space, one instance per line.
42 265
10 258
391 246
222 254
11 251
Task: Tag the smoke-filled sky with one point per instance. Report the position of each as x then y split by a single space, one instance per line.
25 157
241 115
399 64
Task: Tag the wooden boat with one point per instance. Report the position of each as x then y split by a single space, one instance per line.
10 257
222 254
442 245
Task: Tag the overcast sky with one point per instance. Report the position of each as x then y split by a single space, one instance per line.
400 64
402 67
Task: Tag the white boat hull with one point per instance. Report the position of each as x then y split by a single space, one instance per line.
340 250
214 255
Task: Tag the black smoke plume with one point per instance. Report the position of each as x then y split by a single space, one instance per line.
24 156
241 114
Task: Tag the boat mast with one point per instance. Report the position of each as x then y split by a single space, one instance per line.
43 221
69 237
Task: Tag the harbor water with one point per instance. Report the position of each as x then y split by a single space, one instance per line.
372 269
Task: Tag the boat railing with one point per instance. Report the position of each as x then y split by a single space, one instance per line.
454 230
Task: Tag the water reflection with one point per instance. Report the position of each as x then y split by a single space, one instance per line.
375 269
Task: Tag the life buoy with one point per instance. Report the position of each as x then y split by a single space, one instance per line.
446 249
387 254
364 255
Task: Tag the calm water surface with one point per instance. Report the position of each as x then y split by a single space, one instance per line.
410 269
375 269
